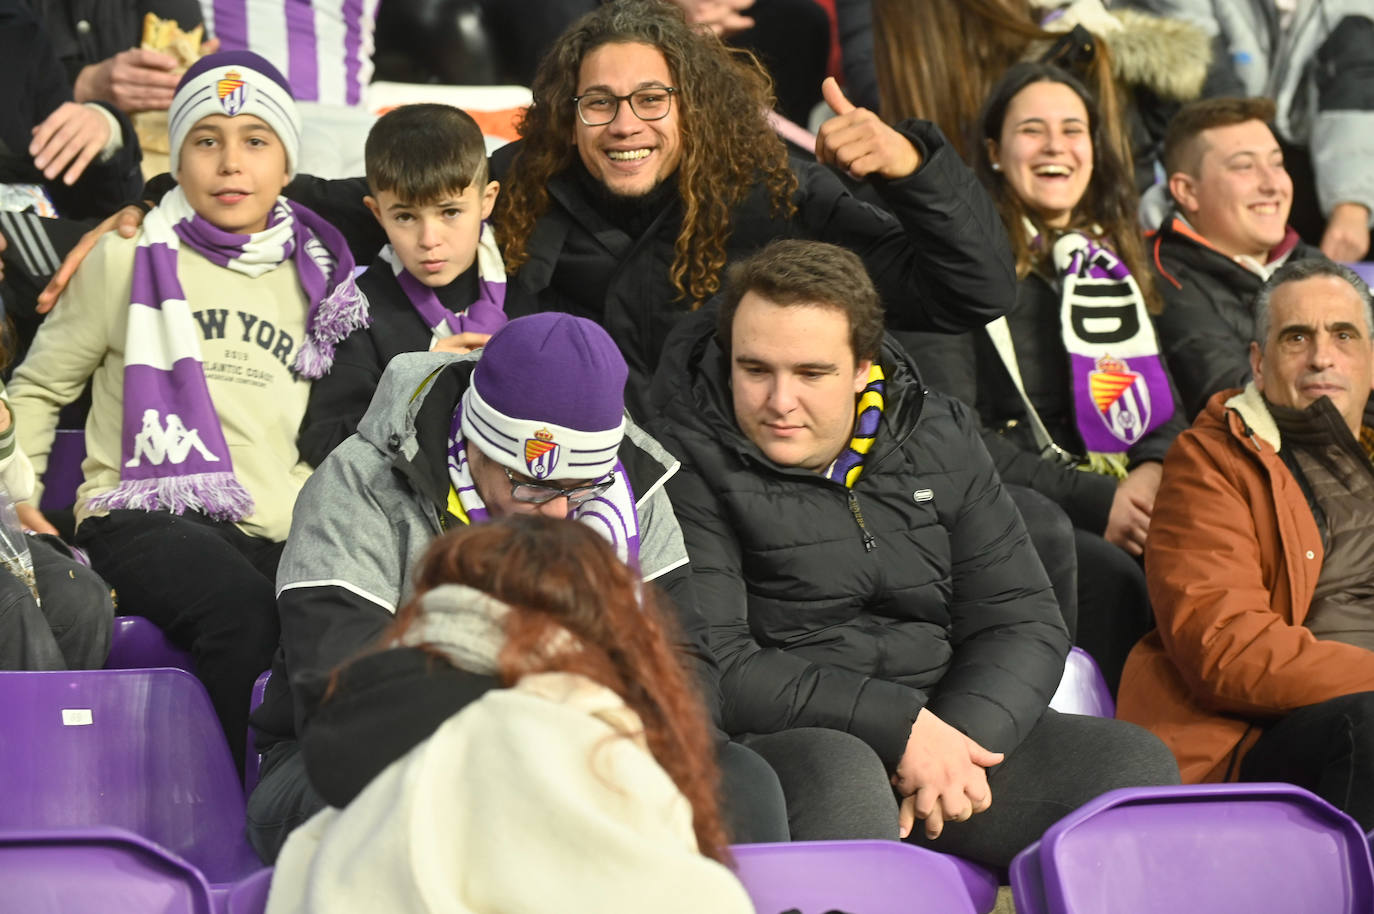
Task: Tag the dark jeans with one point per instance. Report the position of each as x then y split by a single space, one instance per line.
751 798
71 630
1327 748
1113 603
1065 761
208 585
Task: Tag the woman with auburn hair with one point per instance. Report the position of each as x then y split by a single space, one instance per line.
577 771
1070 386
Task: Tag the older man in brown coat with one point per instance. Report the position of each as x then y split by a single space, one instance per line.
1262 667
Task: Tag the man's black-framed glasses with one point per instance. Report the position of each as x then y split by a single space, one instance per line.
534 493
596 109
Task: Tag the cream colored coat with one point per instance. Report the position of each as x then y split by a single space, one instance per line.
530 800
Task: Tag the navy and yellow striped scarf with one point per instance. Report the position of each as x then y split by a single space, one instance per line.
869 414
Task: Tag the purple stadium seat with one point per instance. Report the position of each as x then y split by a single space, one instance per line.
252 761
135 749
138 644
1083 690
63 476
249 895
871 877
1365 269
1218 848
104 869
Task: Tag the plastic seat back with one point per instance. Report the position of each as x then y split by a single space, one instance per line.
1082 690
138 644
249 896
96 869
1365 269
136 749
63 475
873 877
252 761
1219 848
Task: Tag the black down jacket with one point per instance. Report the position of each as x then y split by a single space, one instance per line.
949 608
1208 318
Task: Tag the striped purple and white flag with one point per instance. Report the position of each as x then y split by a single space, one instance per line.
323 46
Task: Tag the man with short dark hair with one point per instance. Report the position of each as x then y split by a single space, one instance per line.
862 567
1227 233
1262 667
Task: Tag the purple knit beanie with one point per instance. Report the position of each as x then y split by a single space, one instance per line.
234 83
547 398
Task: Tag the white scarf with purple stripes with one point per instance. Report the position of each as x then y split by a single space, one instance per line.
173 453
485 315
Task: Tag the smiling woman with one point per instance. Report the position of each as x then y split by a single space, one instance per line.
1071 380
1046 160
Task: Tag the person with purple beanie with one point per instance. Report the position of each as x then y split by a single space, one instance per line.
534 422
201 337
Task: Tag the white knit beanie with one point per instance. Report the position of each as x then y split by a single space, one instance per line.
234 83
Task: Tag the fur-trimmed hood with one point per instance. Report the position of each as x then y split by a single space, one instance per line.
1169 57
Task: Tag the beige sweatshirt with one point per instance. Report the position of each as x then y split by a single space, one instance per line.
249 329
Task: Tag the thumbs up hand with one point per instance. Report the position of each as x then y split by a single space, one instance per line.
858 141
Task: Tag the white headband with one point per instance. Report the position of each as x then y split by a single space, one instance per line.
542 450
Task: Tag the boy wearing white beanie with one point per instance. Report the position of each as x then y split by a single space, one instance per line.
200 336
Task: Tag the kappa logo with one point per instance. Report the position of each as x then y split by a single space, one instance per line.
541 454
233 92
174 443
1122 398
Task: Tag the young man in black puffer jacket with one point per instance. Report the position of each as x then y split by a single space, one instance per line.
862 567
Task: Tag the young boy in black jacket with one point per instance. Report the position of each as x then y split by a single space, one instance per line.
438 284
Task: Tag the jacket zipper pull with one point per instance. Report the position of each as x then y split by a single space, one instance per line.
870 543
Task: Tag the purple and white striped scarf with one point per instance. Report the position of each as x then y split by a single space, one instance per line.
485 315
612 513
173 453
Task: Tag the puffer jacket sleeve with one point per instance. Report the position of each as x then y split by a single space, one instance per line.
1342 140
1216 618
1008 634
943 263
766 690
663 561
952 366
1200 346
